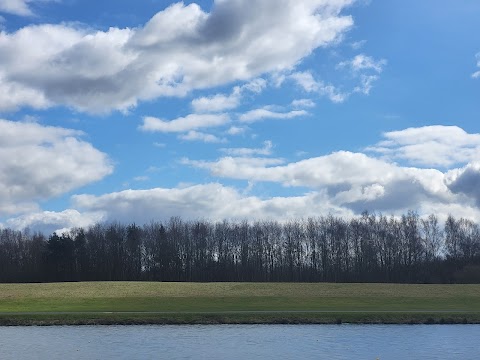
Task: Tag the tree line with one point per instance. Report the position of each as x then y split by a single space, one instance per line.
367 248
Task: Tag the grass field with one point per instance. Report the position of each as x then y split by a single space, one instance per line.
148 302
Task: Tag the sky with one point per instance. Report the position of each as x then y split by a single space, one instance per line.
137 111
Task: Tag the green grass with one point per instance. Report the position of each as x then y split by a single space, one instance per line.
148 302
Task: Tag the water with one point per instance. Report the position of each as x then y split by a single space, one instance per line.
242 342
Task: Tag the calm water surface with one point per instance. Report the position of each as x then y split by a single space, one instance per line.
242 342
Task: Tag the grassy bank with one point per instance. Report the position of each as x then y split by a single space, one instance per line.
205 303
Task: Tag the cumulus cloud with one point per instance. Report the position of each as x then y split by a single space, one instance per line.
69 66
212 201
216 202
15 95
352 180
179 49
39 162
265 113
465 181
183 124
430 145
334 169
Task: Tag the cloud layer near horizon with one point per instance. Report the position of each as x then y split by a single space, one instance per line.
342 183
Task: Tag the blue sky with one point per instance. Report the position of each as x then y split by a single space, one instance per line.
273 109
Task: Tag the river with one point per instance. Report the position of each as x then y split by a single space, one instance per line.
242 342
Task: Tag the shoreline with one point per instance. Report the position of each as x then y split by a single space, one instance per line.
371 318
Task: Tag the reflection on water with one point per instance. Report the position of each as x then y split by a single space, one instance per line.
242 342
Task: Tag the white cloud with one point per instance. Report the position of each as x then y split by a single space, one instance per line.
301 153
180 49
430 145
309 84
265 150
351 180
361 67
465 181
183 124
217 103
212 201
216 202
363 62
199 136
262 114
236 130
356 45
365 69
39 162
221 102
255 86
65 65
19 7
50 221
15 95
366 84
306 81
340 167
476 74
222 169
153 169
303 103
